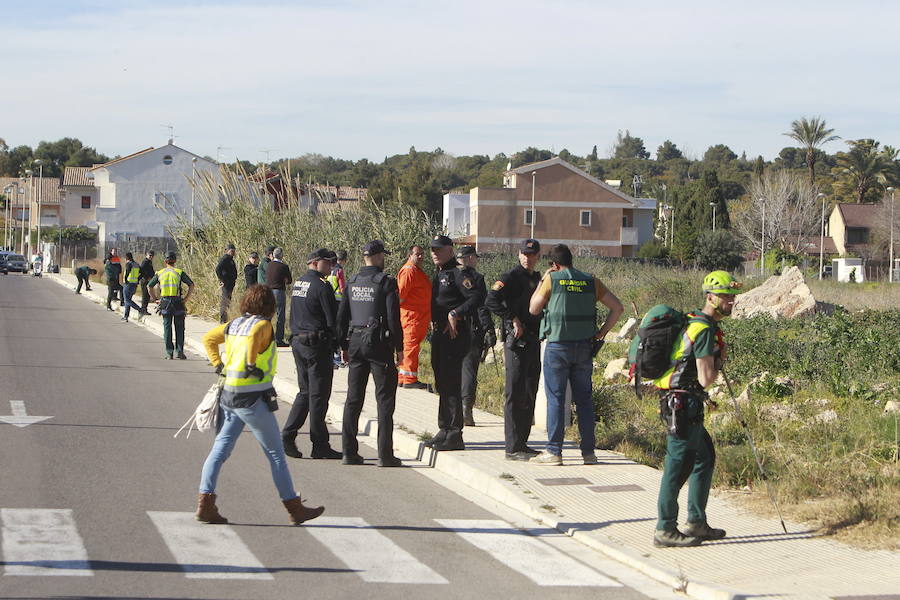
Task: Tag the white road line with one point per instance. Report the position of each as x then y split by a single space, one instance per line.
42 541
540 562
374 556
207 551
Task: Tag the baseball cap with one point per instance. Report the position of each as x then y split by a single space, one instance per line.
171 256
230 246
320 254
466 251
530 246
151 253
254 255
441 241
374 247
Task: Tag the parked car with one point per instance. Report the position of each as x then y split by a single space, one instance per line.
17 263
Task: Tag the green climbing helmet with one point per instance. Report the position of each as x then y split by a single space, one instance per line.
720 282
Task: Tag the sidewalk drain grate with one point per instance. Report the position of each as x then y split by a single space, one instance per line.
616 488
564 481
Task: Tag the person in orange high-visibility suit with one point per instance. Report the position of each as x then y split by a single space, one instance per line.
415 315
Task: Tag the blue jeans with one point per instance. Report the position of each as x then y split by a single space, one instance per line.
569 362
128 291
262 423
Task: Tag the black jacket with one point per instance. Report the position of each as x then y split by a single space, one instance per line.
389 311
147 271
452 289
509 298
313 307
226 270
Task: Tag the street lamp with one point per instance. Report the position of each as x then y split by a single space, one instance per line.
27 243
714 204
891 254
822 238
762 240
533 175
40 164
193 183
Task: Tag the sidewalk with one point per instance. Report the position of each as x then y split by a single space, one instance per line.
610 506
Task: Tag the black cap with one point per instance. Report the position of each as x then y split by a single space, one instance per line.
320 254
151 253
230 246
254 255
530 246
441 241
466 251
270 249
171 256
374 247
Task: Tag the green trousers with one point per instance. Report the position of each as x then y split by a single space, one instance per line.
178 346
691 457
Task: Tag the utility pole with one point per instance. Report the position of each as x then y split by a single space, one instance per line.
822 238
891 254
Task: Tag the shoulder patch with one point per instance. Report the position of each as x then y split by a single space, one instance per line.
498 285
467 283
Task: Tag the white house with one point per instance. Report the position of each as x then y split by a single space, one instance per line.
456 214
140 194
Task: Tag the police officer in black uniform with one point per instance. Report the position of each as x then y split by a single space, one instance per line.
314 327
372 341
483 334
454 301
520 330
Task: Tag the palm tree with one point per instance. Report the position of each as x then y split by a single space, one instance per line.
865 164
811 133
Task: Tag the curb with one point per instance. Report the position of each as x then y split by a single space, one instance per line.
409 445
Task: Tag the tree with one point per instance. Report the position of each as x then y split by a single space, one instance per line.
530 155
667 151
593 154
719 154
717 250
628 146
811 133
66 152
864 164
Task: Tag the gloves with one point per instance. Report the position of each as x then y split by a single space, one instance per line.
219 368
490 338
254 371
596 344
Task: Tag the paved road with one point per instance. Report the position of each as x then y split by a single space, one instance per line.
96 501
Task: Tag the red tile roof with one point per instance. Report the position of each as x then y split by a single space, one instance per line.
859 215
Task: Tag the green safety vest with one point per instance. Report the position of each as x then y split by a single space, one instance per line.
237 346
169 281
572 310
133 275
682 353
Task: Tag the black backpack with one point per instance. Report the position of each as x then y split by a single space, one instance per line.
650 353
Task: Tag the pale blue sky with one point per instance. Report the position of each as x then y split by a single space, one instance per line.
358 79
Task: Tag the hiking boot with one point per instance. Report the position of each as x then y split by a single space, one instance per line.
674 539
390 461
327 452
290 448
354 459
418 385
589 459
546 458
468 418
703 531
523 456
300 513
207 511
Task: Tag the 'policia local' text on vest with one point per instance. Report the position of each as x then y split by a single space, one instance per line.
572 310
364 294
683 354
170 281
237 347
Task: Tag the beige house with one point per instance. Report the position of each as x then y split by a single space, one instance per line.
569 206
79 197
27 195
850 226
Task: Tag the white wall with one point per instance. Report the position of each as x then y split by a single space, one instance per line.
456 214
73 214
128 190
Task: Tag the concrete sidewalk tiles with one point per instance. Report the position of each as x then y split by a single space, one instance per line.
610 506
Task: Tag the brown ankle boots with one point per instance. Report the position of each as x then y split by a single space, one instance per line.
300 513
207 511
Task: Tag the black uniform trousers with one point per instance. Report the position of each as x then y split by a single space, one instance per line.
225 300
82 280
145 295
446 360
380 362
315 371
523 374
470 364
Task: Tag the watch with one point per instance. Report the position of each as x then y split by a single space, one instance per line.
453 313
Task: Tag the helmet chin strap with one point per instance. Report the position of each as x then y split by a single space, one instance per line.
715 302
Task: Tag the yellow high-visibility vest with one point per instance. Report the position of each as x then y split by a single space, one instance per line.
169 281
237 346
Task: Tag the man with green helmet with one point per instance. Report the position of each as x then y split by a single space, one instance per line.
696 360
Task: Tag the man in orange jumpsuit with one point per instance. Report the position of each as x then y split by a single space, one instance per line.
415 314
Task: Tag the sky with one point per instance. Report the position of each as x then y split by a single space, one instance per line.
356 79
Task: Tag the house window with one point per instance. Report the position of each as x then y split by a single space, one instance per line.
857 235
85 202
529 217
164 200
167 159
585 218
624 220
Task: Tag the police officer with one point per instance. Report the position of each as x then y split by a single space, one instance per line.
171 304
690 455
483 334
520 331
313 314
454 301
372 340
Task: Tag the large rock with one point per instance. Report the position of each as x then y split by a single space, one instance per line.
785 295
616 368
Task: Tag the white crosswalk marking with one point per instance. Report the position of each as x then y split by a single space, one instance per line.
42 541
533 558
374 556
207 551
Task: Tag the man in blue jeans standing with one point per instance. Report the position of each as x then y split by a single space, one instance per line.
570 328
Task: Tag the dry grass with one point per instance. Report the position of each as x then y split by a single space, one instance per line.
857 296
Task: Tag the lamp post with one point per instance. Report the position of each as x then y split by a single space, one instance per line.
762 240
40 164
713 204
27 242
822 238
24 193
7 190
533 175
891 253
193 174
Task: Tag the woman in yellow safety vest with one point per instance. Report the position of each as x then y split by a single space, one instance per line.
248 398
